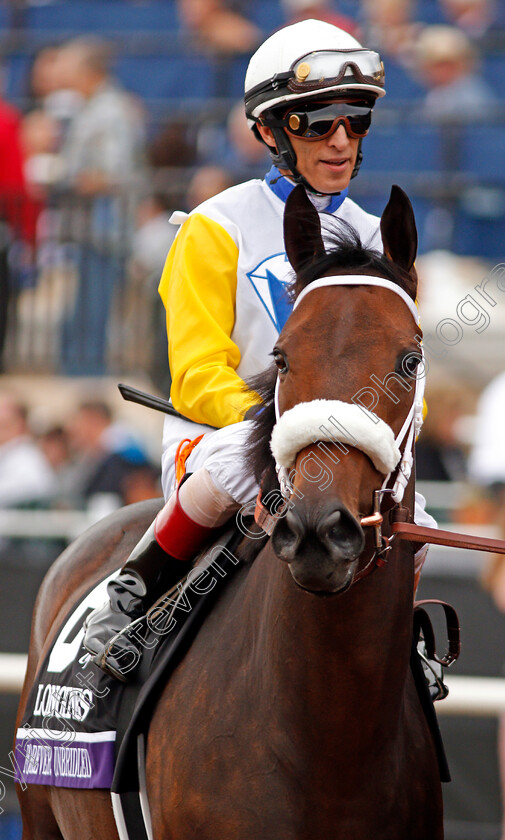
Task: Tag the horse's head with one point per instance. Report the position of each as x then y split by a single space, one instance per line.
349 348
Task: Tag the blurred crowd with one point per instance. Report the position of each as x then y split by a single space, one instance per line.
88 180
88 462
85 208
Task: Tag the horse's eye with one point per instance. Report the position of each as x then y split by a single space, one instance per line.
408 363
280 361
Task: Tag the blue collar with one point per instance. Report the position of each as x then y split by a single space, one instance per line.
282 186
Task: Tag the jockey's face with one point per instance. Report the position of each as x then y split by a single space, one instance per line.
327 164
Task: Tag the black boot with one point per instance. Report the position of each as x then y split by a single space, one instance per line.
148 572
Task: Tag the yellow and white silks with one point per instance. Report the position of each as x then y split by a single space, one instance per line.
222 288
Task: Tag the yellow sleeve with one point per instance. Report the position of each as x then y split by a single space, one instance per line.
198 288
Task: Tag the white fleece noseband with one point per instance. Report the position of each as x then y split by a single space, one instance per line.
347 423
333 420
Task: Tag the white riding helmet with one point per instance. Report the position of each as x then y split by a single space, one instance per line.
310 58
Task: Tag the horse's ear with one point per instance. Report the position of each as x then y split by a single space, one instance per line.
302 229
398 229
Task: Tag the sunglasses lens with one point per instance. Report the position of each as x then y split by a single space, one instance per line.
322 121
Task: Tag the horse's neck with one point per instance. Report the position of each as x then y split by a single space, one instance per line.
320 659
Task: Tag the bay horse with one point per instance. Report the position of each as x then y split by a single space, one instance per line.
294 715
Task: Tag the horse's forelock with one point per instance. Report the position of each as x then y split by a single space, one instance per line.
346 252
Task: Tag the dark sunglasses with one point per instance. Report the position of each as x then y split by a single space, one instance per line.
320 121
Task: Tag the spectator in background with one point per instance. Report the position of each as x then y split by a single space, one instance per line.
25 474
233 146
440 455
17 215
244 153
104 454
103 158
40 139
43 76
50 91
446 65
216 28
296 10
142 483
486 463
53 108
146 345
474 17
205 183
174 145
105 143
487 458
152 239
55 445
390 27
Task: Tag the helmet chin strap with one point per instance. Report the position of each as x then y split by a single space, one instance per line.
285 158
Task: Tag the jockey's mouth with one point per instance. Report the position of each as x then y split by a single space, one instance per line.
335 163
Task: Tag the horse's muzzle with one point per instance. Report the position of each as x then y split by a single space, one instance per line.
321 547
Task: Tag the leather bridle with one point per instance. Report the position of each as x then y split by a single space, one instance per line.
400 528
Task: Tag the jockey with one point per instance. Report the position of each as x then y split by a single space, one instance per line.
310 90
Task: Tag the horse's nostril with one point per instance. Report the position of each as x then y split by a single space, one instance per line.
287 536
332 525
341 531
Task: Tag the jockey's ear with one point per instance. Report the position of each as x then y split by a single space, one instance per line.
398 229
302 229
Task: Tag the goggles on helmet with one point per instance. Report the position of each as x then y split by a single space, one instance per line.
315 122
329 67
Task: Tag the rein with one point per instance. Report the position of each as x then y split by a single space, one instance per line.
417 533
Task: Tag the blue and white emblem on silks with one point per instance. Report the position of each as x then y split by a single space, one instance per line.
270 280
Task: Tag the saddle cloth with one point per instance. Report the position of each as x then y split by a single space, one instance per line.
76 714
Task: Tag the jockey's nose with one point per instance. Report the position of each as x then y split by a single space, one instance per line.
339 137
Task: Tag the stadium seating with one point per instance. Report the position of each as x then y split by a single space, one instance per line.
493 70
402 148
153 61
482 152
165 76
104 16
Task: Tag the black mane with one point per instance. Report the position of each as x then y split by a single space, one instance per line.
345 253
259 456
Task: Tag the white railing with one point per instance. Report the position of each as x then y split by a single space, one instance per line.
474 696
45 524
12 672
